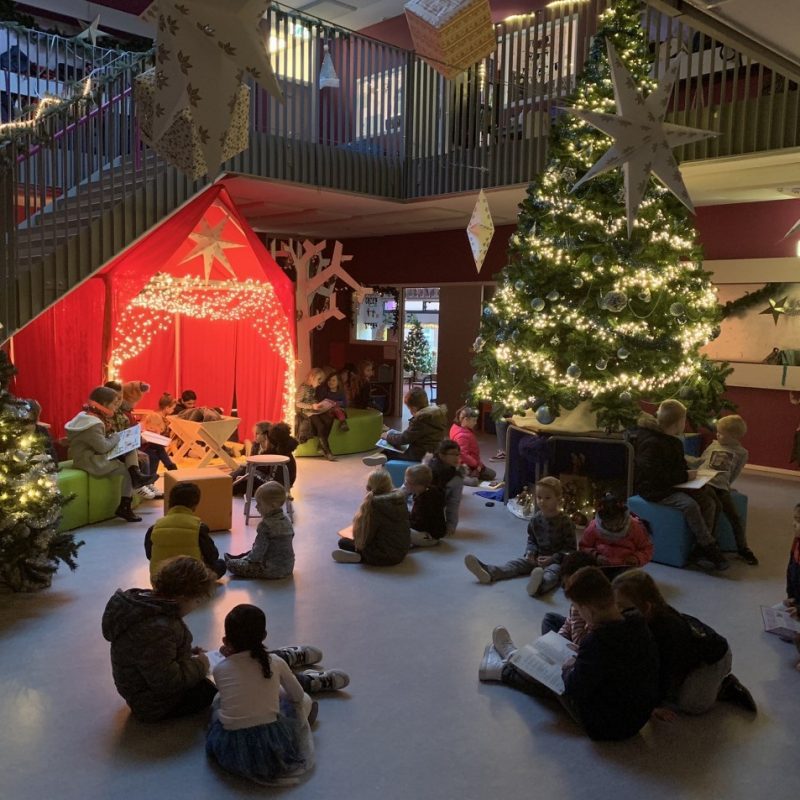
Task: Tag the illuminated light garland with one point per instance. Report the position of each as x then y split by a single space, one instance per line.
164 296
46 102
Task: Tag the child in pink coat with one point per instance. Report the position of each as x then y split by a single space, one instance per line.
616 538
462 431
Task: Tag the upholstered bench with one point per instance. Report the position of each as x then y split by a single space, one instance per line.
96 499
397 469
366 426
672 541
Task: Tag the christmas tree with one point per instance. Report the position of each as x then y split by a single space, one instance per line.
30 502
587 311
416 350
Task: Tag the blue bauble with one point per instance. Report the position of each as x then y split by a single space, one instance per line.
519 285
597 259
487 312
553 296
537 304
543 416
601 363
623 353
573 371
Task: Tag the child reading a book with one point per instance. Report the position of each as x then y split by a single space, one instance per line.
551 535
272 556
462 431
381 529
727 456
611 684
695 661
332 394
573 627
157 422
660 465
616 539
315 414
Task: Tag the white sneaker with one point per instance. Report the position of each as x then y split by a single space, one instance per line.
535 581
477 568
145 492
327 680
346 557
470 480
501 639
492 663
375 460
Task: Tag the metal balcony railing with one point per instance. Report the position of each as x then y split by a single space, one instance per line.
78 186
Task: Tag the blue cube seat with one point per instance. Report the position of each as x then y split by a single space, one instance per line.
397 469
672 541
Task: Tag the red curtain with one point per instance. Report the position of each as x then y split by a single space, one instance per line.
208 359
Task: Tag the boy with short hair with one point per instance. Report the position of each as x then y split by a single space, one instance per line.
551 535
272 556
180 532
449 477
426 428
660 465
611 686
427 510
728 457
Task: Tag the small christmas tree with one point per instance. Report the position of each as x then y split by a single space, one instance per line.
416 350
584 311
30 501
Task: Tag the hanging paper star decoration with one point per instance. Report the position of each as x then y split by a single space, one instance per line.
90 32
204 49
480 230
777 308
209 244
643 142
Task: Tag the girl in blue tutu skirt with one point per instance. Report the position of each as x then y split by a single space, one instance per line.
260 727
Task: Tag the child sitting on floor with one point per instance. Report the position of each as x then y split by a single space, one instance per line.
272 556
695 661
462 431
660 465
551 535
728 457
180 532
381 533
260 726
333 392
573 627
427 509
617 539
611 686
449 477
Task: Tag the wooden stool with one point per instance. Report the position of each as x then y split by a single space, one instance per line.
253 463
215 489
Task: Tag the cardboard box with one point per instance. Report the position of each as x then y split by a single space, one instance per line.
451 35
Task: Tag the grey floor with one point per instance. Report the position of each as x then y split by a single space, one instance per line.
415 722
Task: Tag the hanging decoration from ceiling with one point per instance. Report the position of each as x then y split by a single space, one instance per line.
194 100
643 142
328 79
90 32
451 35
480 230
315 293
777 308
211 246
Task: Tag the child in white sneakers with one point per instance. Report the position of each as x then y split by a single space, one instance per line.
551 535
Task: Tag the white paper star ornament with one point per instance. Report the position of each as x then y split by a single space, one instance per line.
480 230
643 142
212 247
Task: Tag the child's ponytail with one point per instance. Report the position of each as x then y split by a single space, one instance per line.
379 482
245 630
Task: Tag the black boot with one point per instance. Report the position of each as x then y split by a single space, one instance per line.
124 511
139 479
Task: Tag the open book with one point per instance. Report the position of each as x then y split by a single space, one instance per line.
779 621
703 477
155 438
382 443
129 439
543 659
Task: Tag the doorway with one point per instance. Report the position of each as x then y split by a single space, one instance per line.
420 337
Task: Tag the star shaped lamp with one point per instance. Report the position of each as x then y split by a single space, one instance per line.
777 308
209 244
643 142
480 230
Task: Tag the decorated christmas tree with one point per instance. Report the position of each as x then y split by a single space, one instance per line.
604 300
30 502
416 350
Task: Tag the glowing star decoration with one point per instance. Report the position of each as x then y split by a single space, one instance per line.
204 49
643 142
210 245
480 230
777 308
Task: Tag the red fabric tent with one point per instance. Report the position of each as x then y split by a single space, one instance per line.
62 354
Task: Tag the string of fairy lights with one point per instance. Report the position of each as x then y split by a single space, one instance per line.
153 310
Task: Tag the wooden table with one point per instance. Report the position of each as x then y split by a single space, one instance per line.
209 435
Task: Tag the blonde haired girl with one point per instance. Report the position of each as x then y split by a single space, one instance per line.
381 529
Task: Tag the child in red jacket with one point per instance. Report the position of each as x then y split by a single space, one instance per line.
616 538
462 432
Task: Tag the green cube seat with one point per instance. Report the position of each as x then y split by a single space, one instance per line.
73 481
366 425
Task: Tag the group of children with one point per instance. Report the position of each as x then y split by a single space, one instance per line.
636 657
